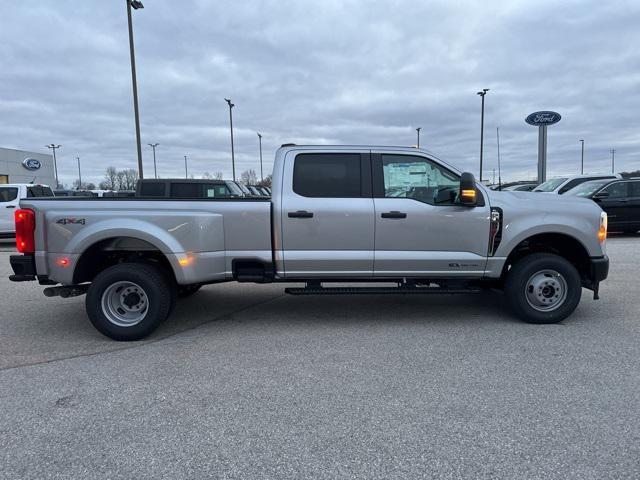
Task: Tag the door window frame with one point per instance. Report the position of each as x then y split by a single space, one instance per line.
365 173
377 178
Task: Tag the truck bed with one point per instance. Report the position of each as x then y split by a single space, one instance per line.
192 233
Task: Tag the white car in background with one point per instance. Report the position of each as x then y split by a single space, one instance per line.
10 196
560 185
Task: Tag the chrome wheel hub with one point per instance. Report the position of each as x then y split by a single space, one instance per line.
546 290
125 303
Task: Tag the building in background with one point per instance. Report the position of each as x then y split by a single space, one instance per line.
20 166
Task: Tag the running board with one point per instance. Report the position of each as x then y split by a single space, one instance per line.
315 290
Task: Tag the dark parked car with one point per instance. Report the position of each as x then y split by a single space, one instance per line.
619 198
187 188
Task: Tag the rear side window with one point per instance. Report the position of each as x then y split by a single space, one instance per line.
336 175
47 192
152 189
8 194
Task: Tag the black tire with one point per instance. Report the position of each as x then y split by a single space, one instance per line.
188 290
536 269
149 288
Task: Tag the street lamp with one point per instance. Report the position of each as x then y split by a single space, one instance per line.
260 143
79 175
53 147
155 170
582 158
186 174
233 158
482 94
135 4
418 130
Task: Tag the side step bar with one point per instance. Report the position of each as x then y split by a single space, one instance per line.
401 290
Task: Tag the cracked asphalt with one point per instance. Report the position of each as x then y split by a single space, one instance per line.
245 382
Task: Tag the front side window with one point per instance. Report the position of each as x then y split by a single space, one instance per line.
216 191
8 194
635 189
418 178
327 175
587 188
616 190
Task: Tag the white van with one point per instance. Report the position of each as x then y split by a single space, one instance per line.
10 196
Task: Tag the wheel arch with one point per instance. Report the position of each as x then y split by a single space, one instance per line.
119 249
562 244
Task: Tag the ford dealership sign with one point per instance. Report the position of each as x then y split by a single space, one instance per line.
539 119
31 164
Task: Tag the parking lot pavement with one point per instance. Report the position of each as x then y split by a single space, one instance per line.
244 382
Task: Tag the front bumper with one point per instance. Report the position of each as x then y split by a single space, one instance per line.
24 268
598 270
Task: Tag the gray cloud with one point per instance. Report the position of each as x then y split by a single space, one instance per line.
320 72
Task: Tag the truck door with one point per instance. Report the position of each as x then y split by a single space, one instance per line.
421 230
9 199
327 216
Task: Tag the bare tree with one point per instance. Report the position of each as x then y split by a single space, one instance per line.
83 186
266 182
130 178
110 179
120 180
217 175
249 177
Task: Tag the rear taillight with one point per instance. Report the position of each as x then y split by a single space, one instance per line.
25 228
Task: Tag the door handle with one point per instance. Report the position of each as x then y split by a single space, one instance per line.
394 214
10 206
300 214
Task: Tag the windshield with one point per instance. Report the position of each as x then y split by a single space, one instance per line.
550 185
235 190
587 188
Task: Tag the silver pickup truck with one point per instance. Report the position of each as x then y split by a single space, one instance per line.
400 219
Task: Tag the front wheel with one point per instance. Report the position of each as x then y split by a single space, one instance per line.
129 300
543 288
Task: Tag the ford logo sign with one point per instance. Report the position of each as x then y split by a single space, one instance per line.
31 164
539 119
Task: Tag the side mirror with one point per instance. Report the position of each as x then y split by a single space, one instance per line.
468 195
601 195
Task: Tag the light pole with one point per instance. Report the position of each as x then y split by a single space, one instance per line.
136 5
155 170
233 158
260 144
186 174
418 131
79 175
613 160
499 171
482 94
53 147
582 157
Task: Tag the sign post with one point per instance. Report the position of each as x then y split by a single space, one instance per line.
542 120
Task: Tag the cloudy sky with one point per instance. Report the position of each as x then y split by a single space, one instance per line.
335 71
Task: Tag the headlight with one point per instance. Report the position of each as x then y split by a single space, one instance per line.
602 231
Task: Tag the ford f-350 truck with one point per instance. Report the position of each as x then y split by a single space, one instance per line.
398 218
